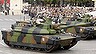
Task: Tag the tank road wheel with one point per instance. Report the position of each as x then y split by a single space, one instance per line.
37 49
12 46
32 48
56 47
66 47
49 48
71 45
19 47
24 47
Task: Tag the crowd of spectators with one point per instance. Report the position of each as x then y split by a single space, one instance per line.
57 12
65 11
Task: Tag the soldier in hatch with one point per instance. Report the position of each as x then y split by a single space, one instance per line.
40 20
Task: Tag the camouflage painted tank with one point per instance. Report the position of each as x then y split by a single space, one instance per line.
87 32
83 27
42 37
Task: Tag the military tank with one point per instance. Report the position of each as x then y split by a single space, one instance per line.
83 27
87 32
41 37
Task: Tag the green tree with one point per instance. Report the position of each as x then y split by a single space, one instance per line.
30 1
78 2
48 2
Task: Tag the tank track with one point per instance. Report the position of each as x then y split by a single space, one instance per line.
47 50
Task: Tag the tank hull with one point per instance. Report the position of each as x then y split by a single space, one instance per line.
46 42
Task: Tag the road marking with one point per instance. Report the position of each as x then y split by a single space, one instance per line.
1 20
6 19
3 44
1 51
11 20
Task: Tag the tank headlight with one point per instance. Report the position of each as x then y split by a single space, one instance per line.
43 39
62 30
81 30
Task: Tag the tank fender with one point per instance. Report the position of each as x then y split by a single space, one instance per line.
56 42
4 33
78 38
53 41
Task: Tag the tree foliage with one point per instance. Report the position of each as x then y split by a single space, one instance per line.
76 2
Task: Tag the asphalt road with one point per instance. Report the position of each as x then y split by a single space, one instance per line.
82 47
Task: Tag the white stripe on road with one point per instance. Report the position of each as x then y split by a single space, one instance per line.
11 20
3 44
6 19
1 20
16 19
